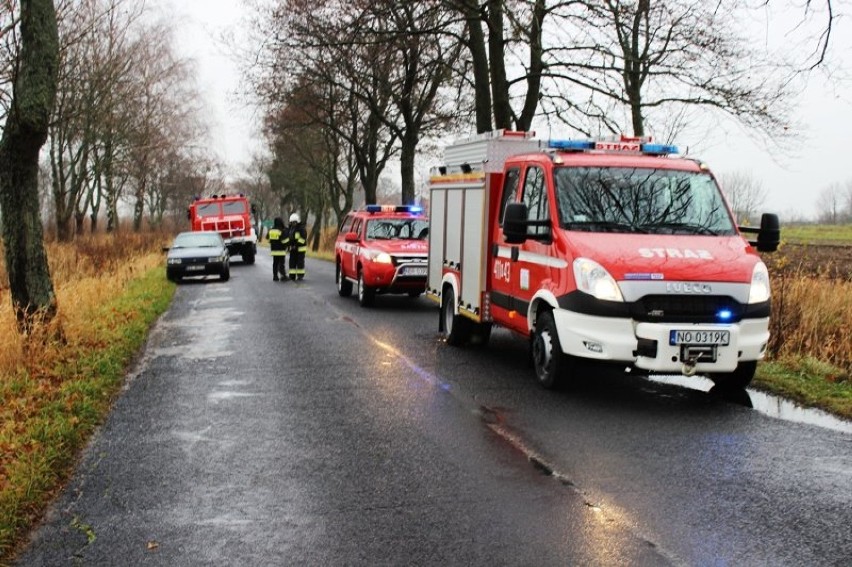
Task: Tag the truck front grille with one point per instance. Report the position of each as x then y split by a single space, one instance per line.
686 308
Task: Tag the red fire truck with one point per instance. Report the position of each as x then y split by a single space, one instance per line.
230 216
614 251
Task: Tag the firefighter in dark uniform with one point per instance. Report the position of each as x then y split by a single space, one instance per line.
278 249
297 240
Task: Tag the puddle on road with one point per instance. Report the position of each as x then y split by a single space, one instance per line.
766 404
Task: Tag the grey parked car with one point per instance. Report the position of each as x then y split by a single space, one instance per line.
198 254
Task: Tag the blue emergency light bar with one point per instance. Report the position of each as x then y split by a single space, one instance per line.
623 146
394 209
659 149
571 145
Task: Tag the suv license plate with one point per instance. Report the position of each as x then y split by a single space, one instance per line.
681 337
414 271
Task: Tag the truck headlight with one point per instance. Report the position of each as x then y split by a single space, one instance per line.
759 290
593 279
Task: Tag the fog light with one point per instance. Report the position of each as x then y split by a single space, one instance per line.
594 347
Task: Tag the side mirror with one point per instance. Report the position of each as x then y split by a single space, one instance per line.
768 235
351 237
515 220
166 248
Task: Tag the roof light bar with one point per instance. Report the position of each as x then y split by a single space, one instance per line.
393 209
571 145
659 149
625 144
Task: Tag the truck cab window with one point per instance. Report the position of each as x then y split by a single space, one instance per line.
510 190
535 198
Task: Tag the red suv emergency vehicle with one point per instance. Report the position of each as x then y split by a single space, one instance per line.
612 251
382 249
230 216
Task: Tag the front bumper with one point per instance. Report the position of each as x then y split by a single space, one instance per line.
646 345
186 270
388 278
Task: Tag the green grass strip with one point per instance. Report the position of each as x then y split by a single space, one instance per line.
48 444
808 382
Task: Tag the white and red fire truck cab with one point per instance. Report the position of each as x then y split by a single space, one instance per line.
613 251
230 216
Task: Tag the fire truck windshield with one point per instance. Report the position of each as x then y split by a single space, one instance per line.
234 207
207 209
652 201
408 229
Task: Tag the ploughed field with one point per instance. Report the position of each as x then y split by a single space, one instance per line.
825 261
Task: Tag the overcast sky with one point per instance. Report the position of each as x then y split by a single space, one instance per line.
793 181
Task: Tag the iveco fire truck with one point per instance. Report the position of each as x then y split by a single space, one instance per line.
617 251
230 216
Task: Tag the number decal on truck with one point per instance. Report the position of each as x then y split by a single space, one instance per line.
502 271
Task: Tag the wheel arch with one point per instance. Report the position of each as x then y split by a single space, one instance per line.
449 280
543 299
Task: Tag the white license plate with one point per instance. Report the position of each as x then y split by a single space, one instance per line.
682 337
414 271
196 268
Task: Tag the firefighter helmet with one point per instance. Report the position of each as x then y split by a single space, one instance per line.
294 218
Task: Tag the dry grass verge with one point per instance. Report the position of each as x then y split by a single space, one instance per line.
54 393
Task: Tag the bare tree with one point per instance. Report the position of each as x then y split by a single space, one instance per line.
420 61
24 133
830 204
847 198
745 194
308 62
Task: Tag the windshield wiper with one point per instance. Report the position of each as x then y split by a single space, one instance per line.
684 226
604 226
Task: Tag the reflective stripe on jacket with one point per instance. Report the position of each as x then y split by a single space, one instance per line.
277 246
297 239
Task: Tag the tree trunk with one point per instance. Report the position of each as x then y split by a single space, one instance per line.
496 52
479 60
408 151
33 97
536 48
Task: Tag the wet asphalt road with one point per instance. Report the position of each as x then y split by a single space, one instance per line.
279 424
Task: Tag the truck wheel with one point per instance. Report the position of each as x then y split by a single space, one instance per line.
248 257
344 286
548 359
739 379
366 294
456 327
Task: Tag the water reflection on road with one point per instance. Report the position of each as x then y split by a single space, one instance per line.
767 404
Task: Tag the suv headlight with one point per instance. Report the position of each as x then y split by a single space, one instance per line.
759 290
593 279
380 257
